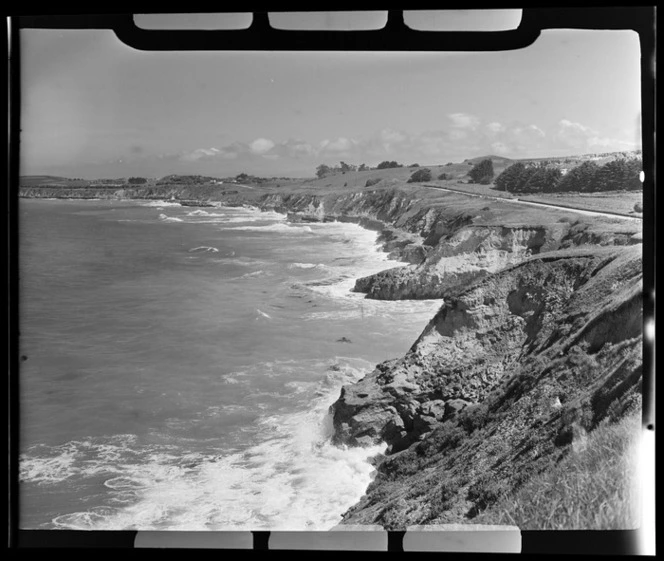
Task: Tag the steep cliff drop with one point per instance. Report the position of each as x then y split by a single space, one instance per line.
512 373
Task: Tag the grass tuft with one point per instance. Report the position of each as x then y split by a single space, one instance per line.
595 487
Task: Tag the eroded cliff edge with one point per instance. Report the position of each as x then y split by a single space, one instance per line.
536 344
511 373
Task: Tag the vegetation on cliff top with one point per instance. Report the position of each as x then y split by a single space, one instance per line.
586 178
571 360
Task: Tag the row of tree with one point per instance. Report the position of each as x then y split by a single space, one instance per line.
325 170
587 177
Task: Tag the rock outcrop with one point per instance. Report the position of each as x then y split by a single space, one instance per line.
532 355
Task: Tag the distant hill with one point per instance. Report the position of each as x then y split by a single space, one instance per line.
495 159
36 180
598 157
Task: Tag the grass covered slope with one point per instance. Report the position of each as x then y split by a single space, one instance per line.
509 381
595 486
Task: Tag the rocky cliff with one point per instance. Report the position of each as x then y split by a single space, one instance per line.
510 374
448 240
537 342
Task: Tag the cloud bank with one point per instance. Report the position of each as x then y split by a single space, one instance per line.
458 136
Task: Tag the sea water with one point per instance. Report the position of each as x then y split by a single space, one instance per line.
177 365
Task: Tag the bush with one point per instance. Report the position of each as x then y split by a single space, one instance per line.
486 180
414 166
638 207
373 181
442 176
484 492
388 165
420 175
481 171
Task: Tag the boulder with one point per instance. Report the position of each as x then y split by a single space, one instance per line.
454 407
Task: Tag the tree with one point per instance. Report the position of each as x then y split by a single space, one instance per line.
513 178
442 176
618 175
482 171
363 167
323 170
542 179
423 174
581 178
137 180
388 164
347 167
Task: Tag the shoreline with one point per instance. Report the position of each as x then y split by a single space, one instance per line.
448 393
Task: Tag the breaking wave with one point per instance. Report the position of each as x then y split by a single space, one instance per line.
293 478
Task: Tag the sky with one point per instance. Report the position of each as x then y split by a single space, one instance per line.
94 107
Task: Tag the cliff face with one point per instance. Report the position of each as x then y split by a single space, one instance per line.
446 245
537 341
510 373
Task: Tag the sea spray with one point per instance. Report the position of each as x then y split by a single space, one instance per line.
293 479
198 416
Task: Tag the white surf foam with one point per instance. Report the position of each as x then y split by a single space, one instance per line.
204 248
159 203
169 218
292 479
253 274
279 227
306 266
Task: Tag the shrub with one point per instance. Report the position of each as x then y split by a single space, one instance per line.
638 207
420 175
373 181
388 165
414 165
482 170
394 517
442 176
484 492
486 180
441 498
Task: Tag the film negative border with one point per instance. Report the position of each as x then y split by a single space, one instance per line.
395 36
507 540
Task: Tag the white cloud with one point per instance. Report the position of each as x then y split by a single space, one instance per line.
199 154
261 145
495 127
500 148
464 120
296 148
581 138
340 144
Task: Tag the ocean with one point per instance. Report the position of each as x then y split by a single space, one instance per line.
177 365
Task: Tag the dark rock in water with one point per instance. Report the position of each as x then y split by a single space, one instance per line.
344 340
195 203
